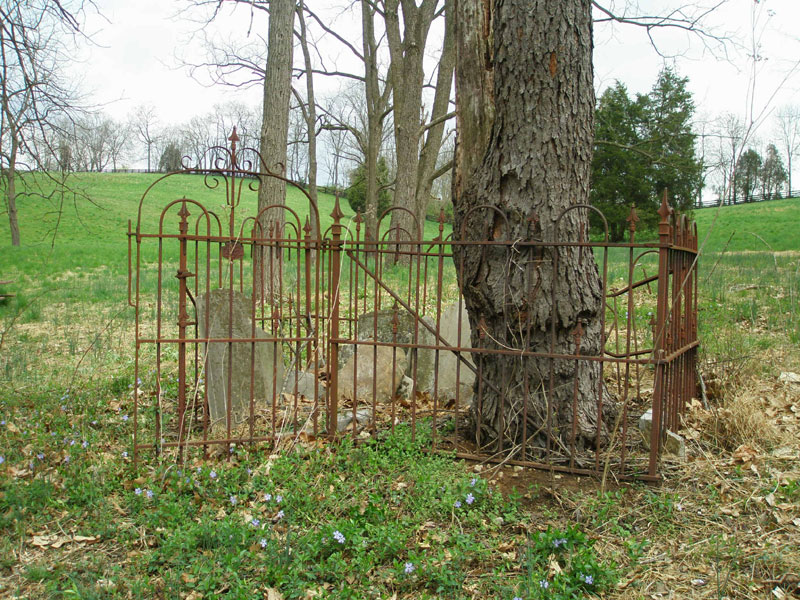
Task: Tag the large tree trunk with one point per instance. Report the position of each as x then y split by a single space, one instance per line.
274 137
525 102
376 105
426 171
407 53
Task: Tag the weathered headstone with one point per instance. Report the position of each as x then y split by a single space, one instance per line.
378 325
229 364
305 383
374 365
452 375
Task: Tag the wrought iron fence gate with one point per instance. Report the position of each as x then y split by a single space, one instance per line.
269 328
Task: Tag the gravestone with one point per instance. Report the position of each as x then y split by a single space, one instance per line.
230 363
452 376
356 380
381 322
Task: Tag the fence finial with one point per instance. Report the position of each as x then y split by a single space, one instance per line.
233 139
632 219
337 213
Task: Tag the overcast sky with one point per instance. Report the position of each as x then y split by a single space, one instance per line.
138 41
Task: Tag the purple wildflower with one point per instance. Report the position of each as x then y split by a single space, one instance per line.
338 536
124 417
213 475
2 459
470 498
267 497
149 493
588 579
255 522
409 568
85 444
138 491
278 498
40 456
457 504
279 515
233 500
473 481
544 584
263 542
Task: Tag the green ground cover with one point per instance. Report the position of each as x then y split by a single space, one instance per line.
385 519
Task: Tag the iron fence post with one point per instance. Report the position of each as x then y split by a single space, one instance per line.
659 389
333 340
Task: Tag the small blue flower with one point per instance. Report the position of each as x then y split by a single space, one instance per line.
124 454
338 536
408 568
85 444
124 417
40 456
473 481
138 491
255 522
66 459
149 493
559 542
233 500
263 542
544 584
588 580
279 515
267 497
278 498
457 504
2 459
470 498
213 475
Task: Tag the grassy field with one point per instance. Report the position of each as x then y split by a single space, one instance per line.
384 519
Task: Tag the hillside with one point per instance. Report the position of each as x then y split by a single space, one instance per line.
761 226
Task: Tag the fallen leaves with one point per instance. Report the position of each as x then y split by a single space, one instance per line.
57 541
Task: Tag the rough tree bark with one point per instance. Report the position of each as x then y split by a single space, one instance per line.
525 122
275 130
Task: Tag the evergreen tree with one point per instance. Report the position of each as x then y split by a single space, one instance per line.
357 190
773 174
642 147
670 140
748 173
619 171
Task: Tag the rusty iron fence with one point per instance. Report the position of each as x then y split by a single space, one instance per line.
271 328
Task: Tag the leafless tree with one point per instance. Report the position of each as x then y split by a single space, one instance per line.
788 133
144 122
36 98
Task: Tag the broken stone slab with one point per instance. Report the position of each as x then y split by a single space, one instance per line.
789 377
230 363
363 417
305 382
378 325
356 380
453 375
673 443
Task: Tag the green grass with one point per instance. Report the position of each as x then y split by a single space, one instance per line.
761 226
